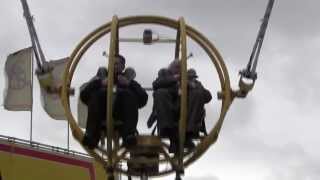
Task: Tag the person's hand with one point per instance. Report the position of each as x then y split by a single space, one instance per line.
104 82
176 77
192 84
149 124
123 81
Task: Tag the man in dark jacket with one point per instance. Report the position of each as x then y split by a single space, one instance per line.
198 96
129 96
167 105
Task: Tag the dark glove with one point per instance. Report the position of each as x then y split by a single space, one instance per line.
123 81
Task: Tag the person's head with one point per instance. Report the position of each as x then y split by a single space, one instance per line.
130 73
192 74
162 73
102 72
175 67
119 64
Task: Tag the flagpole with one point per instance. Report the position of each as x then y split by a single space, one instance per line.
68 145
31 112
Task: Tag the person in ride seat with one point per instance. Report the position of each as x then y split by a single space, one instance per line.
198 96
128 97
167 105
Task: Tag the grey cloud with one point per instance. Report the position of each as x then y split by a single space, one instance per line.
293 70
297 19
280 162
291 162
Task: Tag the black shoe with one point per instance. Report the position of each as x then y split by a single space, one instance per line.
188 144
173 148
87 142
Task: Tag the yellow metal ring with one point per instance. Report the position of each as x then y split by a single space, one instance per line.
209 48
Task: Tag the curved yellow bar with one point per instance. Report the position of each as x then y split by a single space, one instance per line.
209 48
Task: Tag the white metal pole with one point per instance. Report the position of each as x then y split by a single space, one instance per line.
31 112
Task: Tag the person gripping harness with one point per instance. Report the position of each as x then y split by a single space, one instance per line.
129 97
166 108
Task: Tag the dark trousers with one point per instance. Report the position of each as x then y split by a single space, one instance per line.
166 104
196 111
125 115
167 107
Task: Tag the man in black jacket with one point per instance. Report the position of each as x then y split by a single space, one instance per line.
198 96
129 96
167 104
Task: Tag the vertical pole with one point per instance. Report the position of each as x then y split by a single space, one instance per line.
112 53
177 49
31 112
184 81
68 136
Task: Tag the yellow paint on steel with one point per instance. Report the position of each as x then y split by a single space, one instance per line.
183 108
177 49
209 48
112 55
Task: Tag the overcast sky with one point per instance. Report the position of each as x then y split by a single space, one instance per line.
272 134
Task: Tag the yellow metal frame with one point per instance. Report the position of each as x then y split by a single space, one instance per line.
181 44
113 51
226 94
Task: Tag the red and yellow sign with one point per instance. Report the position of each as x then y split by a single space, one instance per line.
18 162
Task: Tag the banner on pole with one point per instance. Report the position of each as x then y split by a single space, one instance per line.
82 110
18 89
51 83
